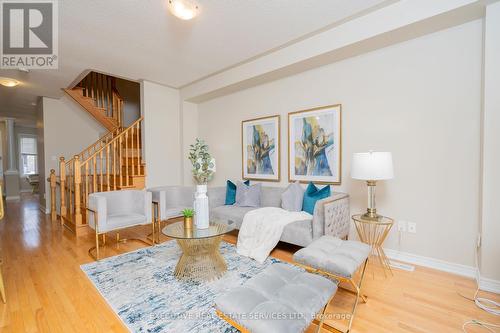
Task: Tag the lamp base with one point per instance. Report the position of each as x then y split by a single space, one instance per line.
371 211
371 215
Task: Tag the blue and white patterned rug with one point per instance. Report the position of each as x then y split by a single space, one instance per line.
141 289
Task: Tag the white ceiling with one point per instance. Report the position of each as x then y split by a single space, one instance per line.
139 39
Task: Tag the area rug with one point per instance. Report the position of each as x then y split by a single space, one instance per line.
140 287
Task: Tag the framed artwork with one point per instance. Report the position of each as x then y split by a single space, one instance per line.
314 145
260 139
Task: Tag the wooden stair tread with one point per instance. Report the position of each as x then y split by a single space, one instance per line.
88 104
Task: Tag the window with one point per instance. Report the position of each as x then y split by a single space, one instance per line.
27 150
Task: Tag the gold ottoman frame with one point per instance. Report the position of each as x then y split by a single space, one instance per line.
340 279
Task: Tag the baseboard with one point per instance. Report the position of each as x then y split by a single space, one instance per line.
13 198
44 209
445 266
489 285
441 265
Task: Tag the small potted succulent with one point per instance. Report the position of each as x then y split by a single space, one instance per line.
188 214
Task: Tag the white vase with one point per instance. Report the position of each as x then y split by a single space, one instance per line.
201 217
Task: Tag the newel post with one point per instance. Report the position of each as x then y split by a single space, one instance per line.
62 178
53 184
78 181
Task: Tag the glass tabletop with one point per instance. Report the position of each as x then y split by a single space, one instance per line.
379 220
176 230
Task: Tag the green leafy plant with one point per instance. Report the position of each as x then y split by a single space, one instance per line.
203 163
188 212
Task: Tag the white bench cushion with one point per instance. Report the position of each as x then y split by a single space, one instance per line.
281 299
334 255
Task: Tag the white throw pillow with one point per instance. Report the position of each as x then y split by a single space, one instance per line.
247 195
292 197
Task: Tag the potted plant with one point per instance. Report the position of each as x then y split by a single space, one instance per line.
203 172
188 214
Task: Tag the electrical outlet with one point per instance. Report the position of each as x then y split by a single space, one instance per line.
412 227
402 226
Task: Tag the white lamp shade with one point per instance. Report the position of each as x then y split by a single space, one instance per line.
372 166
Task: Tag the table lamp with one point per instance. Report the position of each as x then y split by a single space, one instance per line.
372 166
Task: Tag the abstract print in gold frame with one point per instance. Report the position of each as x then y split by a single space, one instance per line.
260 148
314 145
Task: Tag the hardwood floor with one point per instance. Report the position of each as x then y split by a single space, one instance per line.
47 291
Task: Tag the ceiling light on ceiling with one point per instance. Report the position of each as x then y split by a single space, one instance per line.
183 9
8 82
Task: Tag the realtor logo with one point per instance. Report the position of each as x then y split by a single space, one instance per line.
29 34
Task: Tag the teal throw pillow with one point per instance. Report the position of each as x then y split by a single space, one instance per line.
231 192
313 194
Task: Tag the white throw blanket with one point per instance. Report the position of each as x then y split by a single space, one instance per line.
262 228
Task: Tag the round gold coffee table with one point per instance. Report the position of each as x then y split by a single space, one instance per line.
201 258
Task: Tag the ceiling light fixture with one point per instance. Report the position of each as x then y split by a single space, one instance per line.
8 82
183 9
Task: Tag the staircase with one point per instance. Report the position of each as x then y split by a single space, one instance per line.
114 162
97 94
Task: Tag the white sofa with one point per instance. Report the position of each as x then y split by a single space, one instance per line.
331 215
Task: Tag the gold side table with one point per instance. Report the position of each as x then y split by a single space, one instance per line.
374 231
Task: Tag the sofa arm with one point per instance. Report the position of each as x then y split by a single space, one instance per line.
331 216
147 197
97 206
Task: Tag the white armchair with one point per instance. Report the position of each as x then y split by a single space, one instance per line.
169 202
115 210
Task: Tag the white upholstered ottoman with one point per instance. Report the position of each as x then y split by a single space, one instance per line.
281 299
337 258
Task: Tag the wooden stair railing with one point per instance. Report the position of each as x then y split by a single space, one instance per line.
115 163
97 94
102 141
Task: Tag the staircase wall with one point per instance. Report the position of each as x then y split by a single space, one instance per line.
65 130
131 94
160 106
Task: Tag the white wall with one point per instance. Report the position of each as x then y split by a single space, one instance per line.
490 252
161 134
40 146
67 129
131 94
190 130
419 99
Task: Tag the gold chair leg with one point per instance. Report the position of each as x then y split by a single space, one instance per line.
96 248
2 287
97 245
153 221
